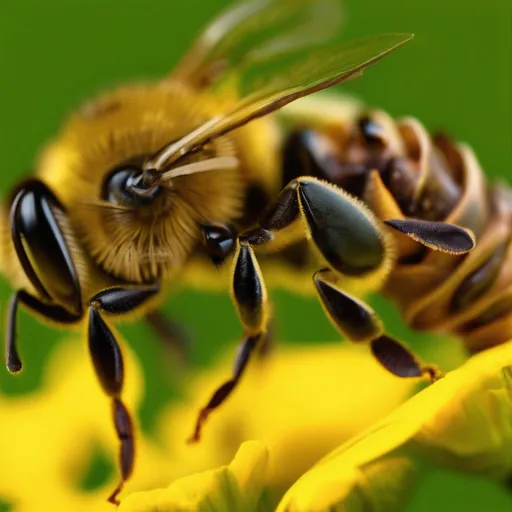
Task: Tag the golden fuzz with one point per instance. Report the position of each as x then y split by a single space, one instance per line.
144 243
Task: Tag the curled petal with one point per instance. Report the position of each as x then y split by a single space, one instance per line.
238 486
463 421
379 486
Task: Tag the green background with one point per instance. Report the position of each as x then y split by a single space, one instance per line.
456 75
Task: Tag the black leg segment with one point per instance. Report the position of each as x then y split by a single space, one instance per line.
120 299
106 355
345 233
245 351
124 430
351 316
439 236
343 230
50 311
12 358
284 211
249 292
39 228
33 219
108 364
359 323
400 361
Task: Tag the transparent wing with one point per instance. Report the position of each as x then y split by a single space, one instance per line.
256 31
273 84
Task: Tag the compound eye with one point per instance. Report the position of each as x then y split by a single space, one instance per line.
125 187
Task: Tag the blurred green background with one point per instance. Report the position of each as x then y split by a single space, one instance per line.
456 75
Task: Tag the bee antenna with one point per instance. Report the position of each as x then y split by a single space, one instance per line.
175 150
221 163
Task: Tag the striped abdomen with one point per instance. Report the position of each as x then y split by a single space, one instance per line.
399 170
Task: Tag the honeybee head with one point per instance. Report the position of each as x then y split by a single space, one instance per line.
136 222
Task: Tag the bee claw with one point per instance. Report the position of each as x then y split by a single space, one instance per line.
201 419
113 498
432 372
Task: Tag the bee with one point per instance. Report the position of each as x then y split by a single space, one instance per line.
146 180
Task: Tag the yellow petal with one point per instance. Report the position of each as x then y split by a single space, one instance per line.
205 492
301 403
473 431
464 420
250 467
381 486
237 487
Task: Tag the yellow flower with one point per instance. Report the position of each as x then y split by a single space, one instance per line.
49 436
239 486
463 421
300 403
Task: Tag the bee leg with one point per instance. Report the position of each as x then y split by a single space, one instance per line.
123 299
439 236
250 298
219 242
353 243
12 357
173 335
244 353
400 361
108 364
346 233
50 311
359 323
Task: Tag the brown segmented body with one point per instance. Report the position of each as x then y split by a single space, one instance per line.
414 174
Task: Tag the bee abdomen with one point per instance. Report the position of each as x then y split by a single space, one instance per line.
400 171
